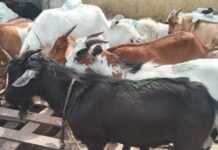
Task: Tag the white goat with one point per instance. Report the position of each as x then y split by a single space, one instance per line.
52 23
201 70
6 13
147 28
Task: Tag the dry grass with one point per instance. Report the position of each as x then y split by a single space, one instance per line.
157 9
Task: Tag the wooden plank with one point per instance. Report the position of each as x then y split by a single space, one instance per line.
30 138
28 128
12 115
9 114
10 125
48 120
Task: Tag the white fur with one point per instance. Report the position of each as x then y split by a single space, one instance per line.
122 33
207 143
25 78
6 13
152 29
53 23
147 28
23 31
30 38
100 64
202 70
70 4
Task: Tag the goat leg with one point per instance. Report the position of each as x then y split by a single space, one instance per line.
63 127
125 147
24 106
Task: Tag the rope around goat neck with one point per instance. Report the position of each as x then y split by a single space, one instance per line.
64 121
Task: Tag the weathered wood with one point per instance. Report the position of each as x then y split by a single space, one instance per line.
8 114
49 120
13 115
30 138
28 128
10 125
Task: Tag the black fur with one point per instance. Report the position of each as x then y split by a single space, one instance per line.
24 9
207 11
97 50
102 109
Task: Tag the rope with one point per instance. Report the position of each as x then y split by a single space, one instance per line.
38 38
64 121
68 97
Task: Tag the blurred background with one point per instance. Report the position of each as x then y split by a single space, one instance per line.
157 9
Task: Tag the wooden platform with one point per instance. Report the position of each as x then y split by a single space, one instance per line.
25 134
12 138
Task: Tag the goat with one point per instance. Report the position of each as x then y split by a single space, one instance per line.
102 109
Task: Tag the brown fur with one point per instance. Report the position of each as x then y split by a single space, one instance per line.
174 48
10 41
9 37
207 31
64 45
19 22
61 49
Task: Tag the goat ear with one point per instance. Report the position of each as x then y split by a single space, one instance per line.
25 78
97 50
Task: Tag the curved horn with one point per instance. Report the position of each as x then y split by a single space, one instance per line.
27 54
178 11
89 43
68 32
95 34
2 91
6 54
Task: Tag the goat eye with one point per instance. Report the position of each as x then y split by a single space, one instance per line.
116 22
97 50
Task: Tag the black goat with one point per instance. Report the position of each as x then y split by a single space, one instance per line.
101 109
23 9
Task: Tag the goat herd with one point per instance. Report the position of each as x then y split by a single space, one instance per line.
137 82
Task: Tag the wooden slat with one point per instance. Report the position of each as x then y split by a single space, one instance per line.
49 120
30 138
11 114
10 125
28 128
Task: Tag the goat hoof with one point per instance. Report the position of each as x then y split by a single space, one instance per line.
22 115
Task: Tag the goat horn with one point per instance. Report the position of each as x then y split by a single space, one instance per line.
178 11
68 32
89 43
27 54
94 35
2 91
6 54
